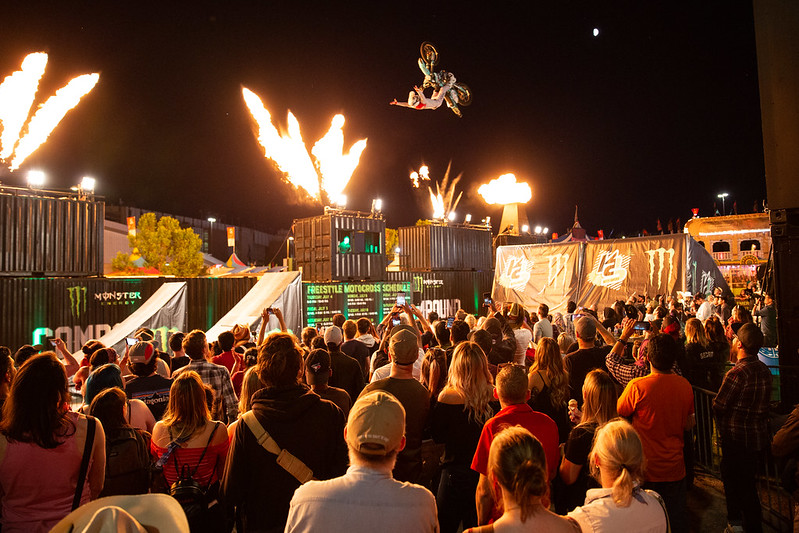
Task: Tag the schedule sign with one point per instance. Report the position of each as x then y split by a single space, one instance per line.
372 300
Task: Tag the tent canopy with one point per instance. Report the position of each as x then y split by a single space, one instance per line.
275 289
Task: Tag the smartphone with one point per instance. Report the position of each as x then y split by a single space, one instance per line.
450 320
395 322
641 326
49 341
576 317
631 312
487 299
400 299
131 340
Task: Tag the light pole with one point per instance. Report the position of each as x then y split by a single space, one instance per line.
210 234
288 252
723 196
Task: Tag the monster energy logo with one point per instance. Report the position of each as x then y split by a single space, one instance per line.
418 282
77 300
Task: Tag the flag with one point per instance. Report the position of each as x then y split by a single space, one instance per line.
695 211
132 226
660 226
670 226
231 237
600 234
645 232
735 207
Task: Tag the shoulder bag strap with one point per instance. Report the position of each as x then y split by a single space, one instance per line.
84 463
659 498
285 459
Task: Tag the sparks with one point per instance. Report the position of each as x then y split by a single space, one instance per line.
505 190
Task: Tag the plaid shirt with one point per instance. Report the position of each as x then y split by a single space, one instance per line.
626 372
225 407
742 403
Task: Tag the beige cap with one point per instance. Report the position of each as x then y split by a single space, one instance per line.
403 347
376 424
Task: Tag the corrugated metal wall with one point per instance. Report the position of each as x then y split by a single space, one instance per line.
317 253
84 308
445 291
50 236
435 248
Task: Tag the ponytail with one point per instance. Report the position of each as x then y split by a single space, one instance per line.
622 490
530 482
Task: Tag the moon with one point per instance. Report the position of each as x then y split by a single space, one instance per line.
596 32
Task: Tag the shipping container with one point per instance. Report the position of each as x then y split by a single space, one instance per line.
50 234
341 246
447 291
78 309
437 247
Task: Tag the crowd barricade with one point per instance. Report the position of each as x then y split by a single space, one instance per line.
777 504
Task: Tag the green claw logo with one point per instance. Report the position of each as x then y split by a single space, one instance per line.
77 300
418 282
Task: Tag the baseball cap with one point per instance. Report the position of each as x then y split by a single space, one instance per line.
146 335
141 352
403 347
585 328
751 338
318 361
376 424
333 335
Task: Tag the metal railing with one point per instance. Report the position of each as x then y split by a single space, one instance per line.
776 503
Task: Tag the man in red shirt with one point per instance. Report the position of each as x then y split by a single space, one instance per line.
226 340
661 406
512 392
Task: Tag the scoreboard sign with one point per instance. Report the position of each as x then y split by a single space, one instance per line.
372 300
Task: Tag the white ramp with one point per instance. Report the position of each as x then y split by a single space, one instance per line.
165 310
274 289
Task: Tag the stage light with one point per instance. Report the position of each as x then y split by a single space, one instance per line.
525 228
546 231
538 230
377 203
452 216
36 179
468 218
397 250
87 184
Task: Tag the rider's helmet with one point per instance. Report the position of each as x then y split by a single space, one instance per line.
413 98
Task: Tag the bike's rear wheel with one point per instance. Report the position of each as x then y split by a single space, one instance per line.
464 94
429 53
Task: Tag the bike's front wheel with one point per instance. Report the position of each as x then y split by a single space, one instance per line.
429 54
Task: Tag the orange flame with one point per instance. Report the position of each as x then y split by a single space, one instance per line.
16 98
17 93
505 190
291 156
50 114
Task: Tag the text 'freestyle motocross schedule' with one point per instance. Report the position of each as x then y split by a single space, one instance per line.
372 300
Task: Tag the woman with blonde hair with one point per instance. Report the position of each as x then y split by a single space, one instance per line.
549 385
599 407
249 386
617 462
187 442
463 407
517 465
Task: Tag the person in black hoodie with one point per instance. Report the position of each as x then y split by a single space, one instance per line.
302 423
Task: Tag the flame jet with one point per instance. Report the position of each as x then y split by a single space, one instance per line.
336 167
50 114
17 93
289 153
505 190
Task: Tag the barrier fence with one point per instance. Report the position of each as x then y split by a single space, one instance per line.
776 502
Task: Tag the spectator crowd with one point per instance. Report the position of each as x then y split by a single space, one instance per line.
519 420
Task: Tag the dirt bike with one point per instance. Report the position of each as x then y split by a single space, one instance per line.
458 94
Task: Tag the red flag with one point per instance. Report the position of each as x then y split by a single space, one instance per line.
600 234
660 226
695 211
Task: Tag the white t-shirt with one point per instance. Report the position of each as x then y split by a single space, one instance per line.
385 370
523 338
542 329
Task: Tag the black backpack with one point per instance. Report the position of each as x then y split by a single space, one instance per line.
197 501
127 464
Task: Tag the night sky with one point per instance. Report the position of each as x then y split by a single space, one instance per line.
656 115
